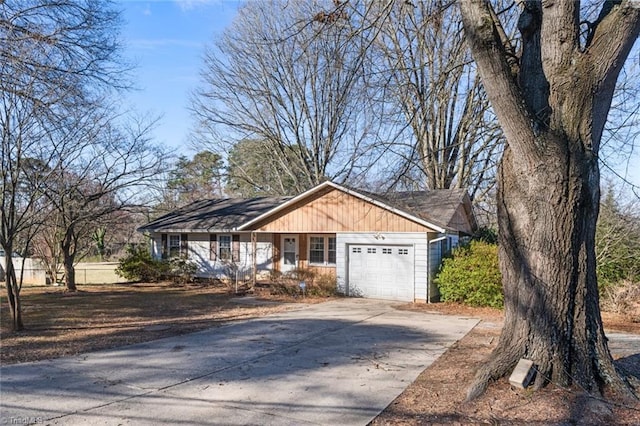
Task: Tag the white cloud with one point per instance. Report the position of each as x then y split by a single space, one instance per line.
186 5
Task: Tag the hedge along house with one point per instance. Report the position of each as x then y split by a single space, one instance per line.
381 246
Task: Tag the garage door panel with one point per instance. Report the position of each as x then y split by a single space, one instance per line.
381 271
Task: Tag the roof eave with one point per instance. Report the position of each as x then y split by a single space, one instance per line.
187 231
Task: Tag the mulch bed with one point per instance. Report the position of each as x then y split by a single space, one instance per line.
437 396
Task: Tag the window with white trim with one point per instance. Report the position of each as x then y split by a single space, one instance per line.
224 247
322 250
316 249
174 245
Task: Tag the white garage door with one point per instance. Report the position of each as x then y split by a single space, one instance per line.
381 272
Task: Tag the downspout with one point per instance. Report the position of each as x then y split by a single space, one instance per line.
444 237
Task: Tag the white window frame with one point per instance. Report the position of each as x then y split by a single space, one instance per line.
325 250
335 249
228 256
173 250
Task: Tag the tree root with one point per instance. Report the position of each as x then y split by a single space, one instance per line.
500 364
479 385
497 366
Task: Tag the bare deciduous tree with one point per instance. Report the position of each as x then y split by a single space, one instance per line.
297 84
54 56
21 187
430 78
107 171
552 100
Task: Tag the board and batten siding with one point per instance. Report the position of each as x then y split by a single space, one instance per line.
416 239
336 211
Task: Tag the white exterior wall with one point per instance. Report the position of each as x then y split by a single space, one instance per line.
435 258
417 240
199 252
427 257
264 252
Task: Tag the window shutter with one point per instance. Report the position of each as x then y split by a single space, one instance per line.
164 249
235 248
184 245
213 247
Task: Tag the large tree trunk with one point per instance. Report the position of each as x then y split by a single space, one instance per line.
69 274
13 293
68 259
547 218
552 102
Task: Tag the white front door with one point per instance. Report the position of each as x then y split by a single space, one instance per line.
289 253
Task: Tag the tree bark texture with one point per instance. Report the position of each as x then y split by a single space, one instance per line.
68 258
13 294
552 105
69 275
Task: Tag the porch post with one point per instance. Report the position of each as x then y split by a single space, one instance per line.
254 260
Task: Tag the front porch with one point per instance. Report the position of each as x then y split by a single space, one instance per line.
302 251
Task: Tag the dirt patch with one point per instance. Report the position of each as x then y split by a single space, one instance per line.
97 317
437 396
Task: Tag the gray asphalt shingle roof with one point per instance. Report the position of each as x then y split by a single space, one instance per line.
213 215
438 205
435 206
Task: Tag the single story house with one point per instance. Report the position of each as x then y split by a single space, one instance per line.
386 246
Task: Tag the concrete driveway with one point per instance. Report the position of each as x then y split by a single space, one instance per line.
340 362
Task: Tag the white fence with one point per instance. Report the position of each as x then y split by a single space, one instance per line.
33 271
86 273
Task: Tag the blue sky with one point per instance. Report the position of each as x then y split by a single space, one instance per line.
165 40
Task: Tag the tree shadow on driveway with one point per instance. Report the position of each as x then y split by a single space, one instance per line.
333 370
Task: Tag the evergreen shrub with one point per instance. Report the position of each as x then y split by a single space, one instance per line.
138 265
472 276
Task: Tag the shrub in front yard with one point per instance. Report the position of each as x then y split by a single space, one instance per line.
472 276
316 285
138 265
324 285
622 297
181 270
